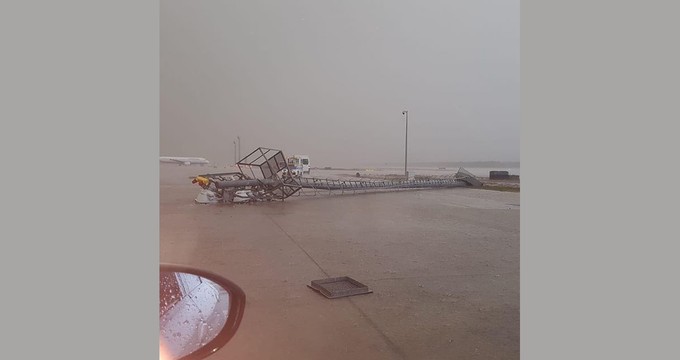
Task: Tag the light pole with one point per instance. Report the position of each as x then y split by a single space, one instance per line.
405 112
239 147
235 153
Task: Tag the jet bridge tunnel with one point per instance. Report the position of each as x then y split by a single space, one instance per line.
264 176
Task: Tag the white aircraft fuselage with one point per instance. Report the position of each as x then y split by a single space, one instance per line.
181 160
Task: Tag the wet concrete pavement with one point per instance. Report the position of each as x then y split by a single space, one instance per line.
443 266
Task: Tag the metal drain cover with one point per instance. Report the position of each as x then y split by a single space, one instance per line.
339 287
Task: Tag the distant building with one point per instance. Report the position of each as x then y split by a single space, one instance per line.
499 175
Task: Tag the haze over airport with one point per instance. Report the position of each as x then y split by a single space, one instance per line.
330 79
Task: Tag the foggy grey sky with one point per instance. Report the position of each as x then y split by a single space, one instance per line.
331 78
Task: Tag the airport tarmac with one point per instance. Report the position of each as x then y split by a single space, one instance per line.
443 266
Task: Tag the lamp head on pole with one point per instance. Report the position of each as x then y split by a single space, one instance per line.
404 112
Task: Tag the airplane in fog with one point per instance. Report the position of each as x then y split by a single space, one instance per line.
184 160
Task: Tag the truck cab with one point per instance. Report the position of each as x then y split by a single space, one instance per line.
299 164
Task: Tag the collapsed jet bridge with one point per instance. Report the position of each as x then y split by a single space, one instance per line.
264 176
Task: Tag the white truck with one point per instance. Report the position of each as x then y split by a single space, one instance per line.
299 164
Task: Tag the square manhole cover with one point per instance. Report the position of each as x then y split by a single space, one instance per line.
339 287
